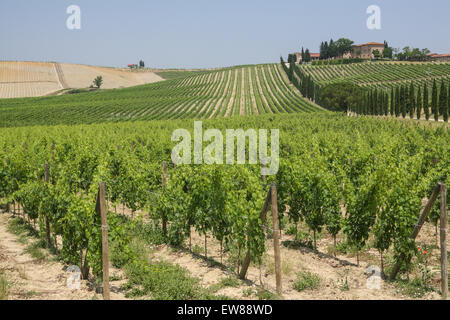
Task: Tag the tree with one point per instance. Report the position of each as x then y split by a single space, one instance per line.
322 51
386 104
341 96
343 46
412 100
141 64
419 104
307 56
376 54
332 50
98 81
434 101
398 102
403 100
387 53
392 107
442 98
447 111
303 55
425 103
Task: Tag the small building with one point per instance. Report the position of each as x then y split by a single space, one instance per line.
314 56
439 57
365 51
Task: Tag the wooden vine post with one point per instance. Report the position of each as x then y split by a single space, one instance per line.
271 198
164 184
443 233
47 223
419 225
101 209
276 240
263 217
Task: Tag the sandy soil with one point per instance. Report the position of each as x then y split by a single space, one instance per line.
32 79
333 272
233 94
35 280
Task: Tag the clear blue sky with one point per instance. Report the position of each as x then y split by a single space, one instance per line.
208 33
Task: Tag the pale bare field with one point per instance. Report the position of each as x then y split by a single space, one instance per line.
27 79
32 79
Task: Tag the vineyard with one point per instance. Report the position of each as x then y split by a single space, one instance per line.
245 90
379 75
360 181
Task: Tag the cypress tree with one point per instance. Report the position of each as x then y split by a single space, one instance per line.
392 107
445 104
434 101
398 102
448 105
407 101
426 107
419 104
412 101
403 101
380 103
375 102
443 98
386 104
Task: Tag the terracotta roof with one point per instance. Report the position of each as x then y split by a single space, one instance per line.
439 55
314 55
370 44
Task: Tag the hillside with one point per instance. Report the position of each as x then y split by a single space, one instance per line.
227 92
383 75
34 79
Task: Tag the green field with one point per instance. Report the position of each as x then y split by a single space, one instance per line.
382 75
244 90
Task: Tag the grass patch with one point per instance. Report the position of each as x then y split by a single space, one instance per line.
4 287
21 228
416 288
307 281
264 294
35 250
230 282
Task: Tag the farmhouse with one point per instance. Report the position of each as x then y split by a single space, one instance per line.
439 57
314 56
365 51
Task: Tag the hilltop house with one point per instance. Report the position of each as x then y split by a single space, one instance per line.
365 51
439 57
314 56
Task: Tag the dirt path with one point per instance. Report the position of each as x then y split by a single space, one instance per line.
61 78
233 94
252 92
224 94
242 106
32 279
261 93
333 272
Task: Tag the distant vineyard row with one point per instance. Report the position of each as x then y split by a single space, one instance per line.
233 91
381 75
